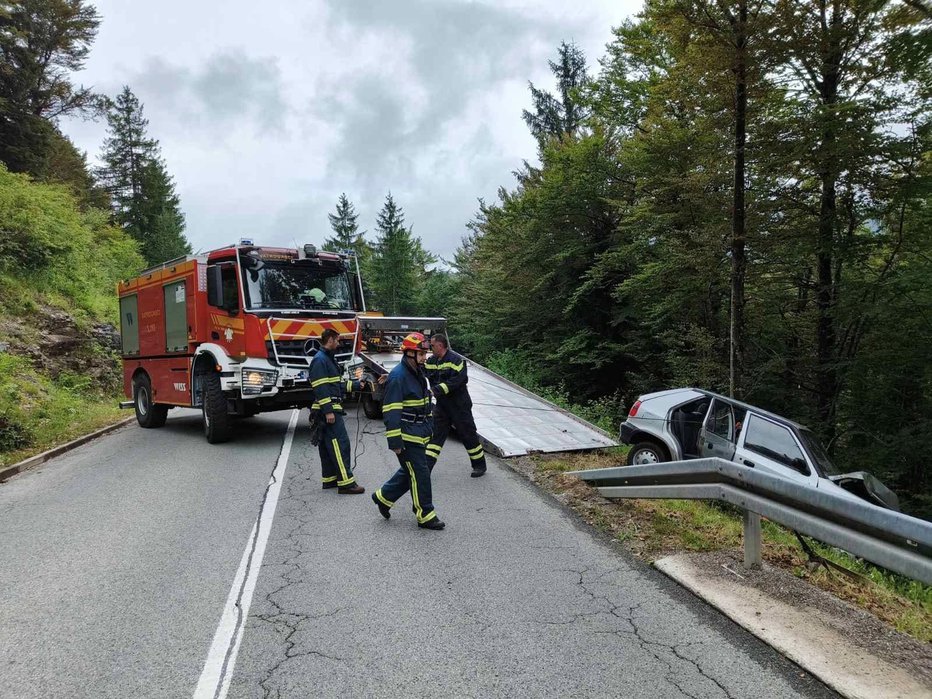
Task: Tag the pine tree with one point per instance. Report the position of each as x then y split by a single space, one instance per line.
564 114
397 268
161 217
143 195
344 222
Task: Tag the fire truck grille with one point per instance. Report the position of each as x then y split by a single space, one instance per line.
295 352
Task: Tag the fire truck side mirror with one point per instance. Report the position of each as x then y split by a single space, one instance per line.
215 286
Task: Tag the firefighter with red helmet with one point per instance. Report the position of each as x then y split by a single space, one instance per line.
406 408
446 371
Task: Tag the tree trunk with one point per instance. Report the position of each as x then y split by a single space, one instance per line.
826 290
738 220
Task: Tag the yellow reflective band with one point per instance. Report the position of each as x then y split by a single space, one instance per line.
476 457
418 512
475 449
337 406
329 479
323 401
428 365
390 406
433 449
382 499
349 386
349 481
413 403
393 433
446 389
415 440
450 365
328 379
336 450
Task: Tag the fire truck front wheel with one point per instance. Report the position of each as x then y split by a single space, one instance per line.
214 410
148 414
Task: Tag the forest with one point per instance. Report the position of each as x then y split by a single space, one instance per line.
734 196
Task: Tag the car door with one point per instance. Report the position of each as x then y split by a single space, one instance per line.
769 446
717 437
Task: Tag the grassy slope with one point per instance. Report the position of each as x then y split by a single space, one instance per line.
59 266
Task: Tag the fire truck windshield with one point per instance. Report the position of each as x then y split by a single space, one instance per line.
293 285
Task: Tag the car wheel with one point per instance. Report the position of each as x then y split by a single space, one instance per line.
371 407
148 414
646 453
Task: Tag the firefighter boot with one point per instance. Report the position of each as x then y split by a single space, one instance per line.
384 509
434 523
351 489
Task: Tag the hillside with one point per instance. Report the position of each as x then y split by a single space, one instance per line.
59 263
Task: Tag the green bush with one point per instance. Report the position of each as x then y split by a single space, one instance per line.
52 250
521 368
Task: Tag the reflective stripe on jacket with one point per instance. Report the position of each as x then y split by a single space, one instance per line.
328 383
406 407
448 375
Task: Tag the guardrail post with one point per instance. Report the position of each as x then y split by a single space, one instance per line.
752 540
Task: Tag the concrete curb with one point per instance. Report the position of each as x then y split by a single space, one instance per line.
9 471
800 633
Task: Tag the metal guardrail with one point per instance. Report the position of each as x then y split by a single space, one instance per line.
895 541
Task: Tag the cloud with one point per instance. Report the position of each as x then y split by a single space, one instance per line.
266 117
230 87
443 57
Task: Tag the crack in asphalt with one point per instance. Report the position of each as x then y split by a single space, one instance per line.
659 650
283 620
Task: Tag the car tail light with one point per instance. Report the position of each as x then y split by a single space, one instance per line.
634 409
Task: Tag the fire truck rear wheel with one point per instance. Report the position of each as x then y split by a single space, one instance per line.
214 410
148 414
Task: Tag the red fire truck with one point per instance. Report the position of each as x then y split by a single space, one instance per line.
232 331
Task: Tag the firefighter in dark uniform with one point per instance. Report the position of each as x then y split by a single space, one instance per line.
446 371
406 408
329 386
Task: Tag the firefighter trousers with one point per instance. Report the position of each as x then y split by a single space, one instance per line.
455 411
414 475
334 448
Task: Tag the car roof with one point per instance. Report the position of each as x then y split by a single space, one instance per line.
748 406
676 396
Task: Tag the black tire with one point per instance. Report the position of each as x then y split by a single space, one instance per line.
214 413
371 407
148 414
645 453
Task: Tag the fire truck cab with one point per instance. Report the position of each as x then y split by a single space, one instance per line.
233 331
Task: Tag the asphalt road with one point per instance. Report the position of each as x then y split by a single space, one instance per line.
116 561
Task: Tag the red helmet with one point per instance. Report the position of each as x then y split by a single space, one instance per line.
415 342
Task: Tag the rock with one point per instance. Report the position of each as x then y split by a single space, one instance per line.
4 346
108 336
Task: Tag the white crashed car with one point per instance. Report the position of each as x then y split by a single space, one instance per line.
689 423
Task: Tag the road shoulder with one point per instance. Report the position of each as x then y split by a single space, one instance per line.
848 649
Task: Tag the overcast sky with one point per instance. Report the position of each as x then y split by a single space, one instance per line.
266 112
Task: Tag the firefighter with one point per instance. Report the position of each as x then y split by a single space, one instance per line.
407 412
329 386
446 371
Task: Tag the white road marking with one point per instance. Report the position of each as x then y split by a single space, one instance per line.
221 659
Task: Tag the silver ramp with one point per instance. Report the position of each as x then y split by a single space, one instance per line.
512 421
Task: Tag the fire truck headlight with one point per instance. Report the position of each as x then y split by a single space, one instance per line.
256 381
